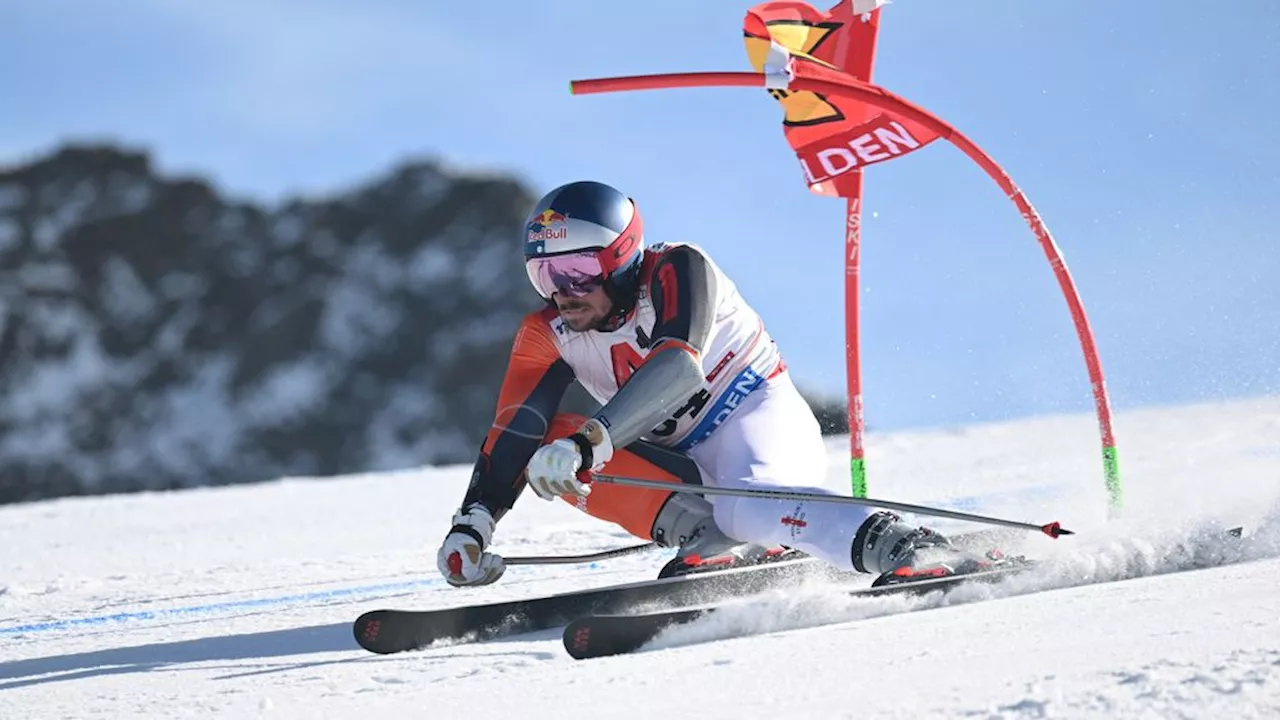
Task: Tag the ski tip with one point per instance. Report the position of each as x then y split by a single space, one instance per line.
366 629
368 632
1055 530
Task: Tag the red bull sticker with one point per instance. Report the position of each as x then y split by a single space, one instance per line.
547 225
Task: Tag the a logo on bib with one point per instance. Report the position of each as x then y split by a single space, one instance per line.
743 385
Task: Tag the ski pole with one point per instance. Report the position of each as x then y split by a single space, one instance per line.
573 559
1053 529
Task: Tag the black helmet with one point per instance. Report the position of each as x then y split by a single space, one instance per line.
585 234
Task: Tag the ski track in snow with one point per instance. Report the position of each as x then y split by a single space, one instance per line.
237 601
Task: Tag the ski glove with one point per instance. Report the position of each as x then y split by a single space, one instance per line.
462 559
553 469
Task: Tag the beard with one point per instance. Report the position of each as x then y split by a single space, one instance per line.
582 321
572 304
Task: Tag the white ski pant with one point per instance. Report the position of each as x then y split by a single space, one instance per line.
774 442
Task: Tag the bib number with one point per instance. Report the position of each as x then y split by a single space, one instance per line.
691 408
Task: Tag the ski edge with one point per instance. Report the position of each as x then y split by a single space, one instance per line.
630 632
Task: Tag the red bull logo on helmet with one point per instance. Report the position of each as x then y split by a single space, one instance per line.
547 225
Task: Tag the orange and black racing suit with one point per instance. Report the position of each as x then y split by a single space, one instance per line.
538 376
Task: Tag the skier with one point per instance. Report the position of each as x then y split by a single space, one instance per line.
693 390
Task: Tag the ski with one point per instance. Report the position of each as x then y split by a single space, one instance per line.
390 631
604 634
387 631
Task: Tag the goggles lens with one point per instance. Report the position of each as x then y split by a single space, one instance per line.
574 275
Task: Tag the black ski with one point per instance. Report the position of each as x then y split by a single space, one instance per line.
391 631
604 634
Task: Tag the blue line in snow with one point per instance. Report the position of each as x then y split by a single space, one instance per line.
126 617
210 608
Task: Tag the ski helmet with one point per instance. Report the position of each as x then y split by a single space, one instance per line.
583 235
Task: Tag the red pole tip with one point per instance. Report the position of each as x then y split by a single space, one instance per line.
1055 529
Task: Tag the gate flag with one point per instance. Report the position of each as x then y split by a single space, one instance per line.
831 135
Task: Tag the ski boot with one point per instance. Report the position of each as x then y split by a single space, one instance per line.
897 552
687 522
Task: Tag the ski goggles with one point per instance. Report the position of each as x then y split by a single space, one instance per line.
572 275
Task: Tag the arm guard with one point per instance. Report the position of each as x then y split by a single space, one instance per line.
683 288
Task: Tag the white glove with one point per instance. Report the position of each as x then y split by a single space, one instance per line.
553 469
461 558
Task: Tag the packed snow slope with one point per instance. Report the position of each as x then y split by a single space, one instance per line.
237 601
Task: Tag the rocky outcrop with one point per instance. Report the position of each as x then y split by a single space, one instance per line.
156 335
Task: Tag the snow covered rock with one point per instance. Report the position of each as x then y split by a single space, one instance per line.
154 334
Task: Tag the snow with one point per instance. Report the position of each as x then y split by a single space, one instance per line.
10 234
387 442
429 185
181 440
129 194
47 277
286 392
124 295
356 312
431 263
46 235
49 387
237 601
288 229
486 269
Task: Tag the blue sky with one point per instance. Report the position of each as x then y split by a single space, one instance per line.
1144 132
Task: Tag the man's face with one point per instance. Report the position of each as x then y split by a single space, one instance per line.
586 312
